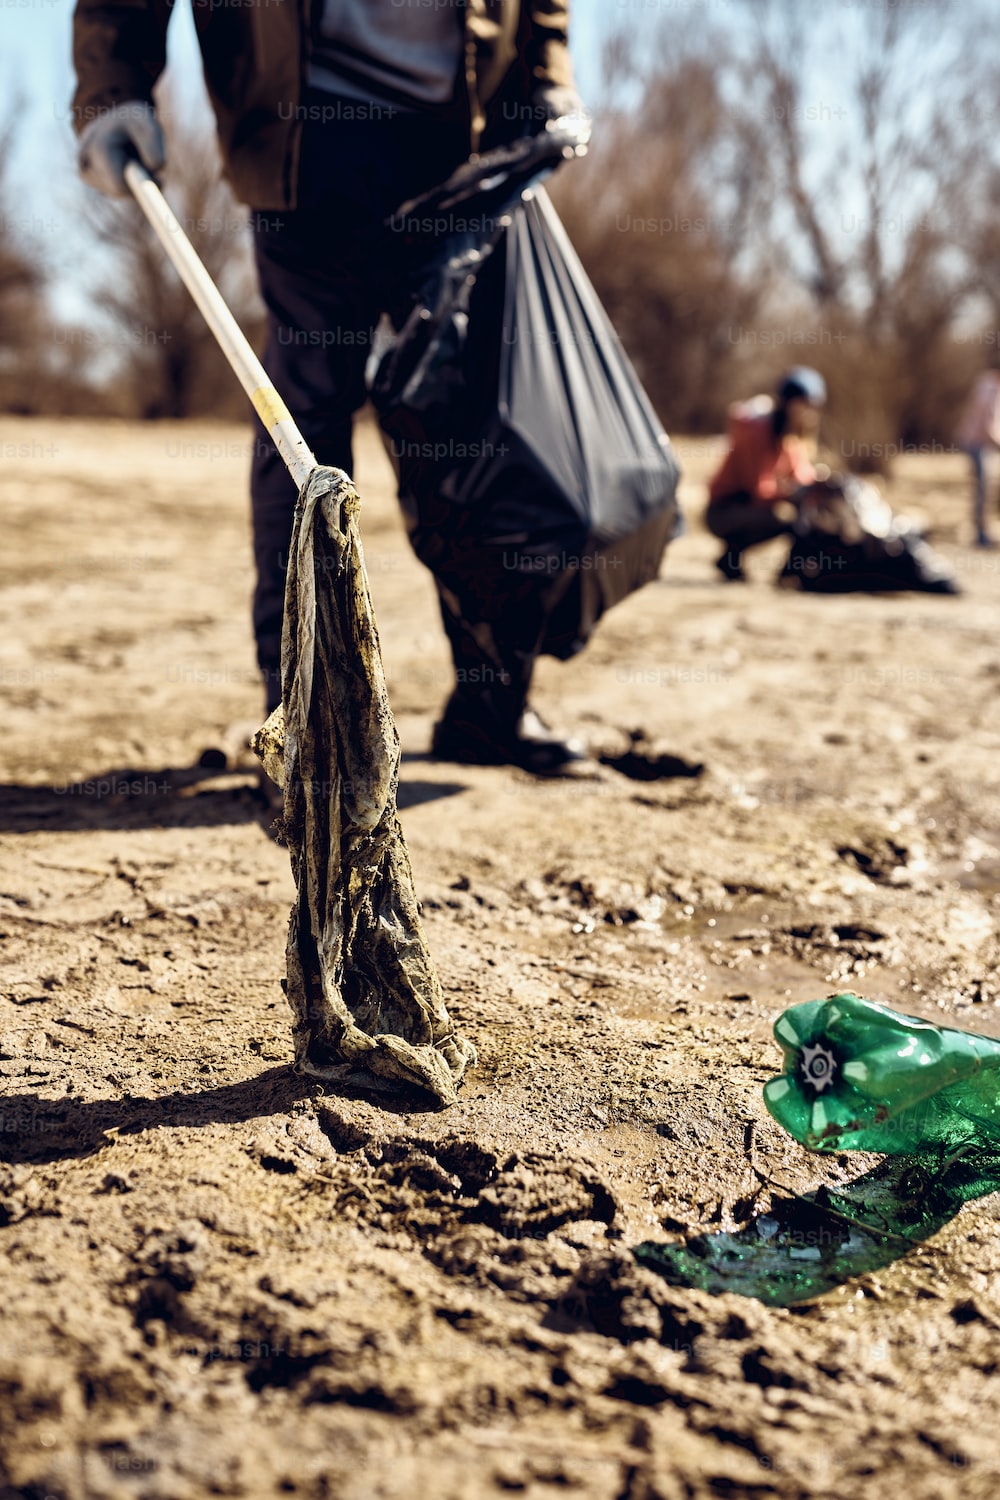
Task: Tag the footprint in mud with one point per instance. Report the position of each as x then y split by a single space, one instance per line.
440 1185
166 1268
533 1195
876 856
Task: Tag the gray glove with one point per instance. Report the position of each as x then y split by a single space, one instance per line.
558 102
120 134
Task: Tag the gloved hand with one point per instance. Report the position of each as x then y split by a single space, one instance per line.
557 101
115 137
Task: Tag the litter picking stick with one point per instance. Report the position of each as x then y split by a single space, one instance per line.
365 998
232 340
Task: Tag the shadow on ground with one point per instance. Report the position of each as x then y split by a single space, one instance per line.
196 796
36 1130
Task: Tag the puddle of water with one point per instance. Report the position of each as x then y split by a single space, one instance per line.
716 962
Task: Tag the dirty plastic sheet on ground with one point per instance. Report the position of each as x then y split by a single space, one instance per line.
366 1000
807 1244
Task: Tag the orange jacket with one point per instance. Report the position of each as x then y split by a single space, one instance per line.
757 462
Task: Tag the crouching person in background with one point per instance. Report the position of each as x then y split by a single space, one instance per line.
753 496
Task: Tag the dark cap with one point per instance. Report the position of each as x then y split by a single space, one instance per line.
802 384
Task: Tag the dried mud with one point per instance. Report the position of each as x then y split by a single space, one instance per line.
220 1279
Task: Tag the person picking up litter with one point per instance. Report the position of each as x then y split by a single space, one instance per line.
753 496
330 115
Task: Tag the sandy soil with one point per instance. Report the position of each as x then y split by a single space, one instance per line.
219 1280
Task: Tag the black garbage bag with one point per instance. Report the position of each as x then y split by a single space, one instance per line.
848 540
528 456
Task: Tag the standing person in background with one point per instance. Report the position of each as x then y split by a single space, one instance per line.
978 432
330 114
772 445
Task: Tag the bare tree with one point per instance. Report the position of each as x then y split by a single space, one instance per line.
22 282
805 184
660 212
876 228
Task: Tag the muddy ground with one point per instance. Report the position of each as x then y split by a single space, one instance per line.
220 1280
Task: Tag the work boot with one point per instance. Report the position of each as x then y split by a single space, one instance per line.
470 732
730 566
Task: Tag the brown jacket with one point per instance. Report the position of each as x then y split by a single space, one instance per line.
255 54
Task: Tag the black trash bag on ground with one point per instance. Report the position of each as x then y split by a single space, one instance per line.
526 450
848 540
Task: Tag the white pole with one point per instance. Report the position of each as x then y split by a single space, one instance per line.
234 344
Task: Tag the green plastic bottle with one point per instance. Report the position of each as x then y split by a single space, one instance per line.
861 1077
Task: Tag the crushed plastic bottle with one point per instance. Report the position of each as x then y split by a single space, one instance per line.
858 1077
861 1077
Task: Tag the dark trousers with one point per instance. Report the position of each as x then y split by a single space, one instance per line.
494 646
742 522
327 271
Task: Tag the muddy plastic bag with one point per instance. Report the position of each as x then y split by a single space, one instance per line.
363 990
523 443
